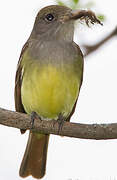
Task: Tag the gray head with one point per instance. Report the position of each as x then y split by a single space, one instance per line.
57 22
52 22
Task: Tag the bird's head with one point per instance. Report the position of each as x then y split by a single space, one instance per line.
58 22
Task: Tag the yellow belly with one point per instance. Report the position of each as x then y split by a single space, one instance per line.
49 90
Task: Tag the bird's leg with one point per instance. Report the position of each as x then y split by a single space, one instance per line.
60 121
34 116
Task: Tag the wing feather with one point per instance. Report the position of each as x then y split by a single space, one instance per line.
80 54
18 82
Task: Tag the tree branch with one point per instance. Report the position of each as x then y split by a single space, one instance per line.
90 49
85 131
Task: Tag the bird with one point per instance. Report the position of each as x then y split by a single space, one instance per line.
48 79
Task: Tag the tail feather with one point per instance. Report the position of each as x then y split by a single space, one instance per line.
34 160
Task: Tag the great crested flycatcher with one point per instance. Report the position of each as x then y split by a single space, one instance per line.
48 78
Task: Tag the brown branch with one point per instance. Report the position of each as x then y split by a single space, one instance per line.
85 131
90 49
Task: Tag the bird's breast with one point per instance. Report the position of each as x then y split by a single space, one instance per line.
49 89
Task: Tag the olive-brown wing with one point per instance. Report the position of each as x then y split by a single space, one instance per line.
18 82
80 54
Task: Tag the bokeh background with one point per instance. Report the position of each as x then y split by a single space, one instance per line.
68 158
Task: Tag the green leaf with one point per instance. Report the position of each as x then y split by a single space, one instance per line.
101 17
76 1
60 3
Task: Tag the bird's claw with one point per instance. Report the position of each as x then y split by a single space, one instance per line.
60 121
34 116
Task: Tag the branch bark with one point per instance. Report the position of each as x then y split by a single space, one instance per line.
85 131
90 49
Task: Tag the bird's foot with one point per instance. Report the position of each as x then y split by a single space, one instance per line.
34 116
60 121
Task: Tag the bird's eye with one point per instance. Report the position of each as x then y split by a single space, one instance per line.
49 17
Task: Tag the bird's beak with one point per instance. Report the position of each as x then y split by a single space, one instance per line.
88 16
